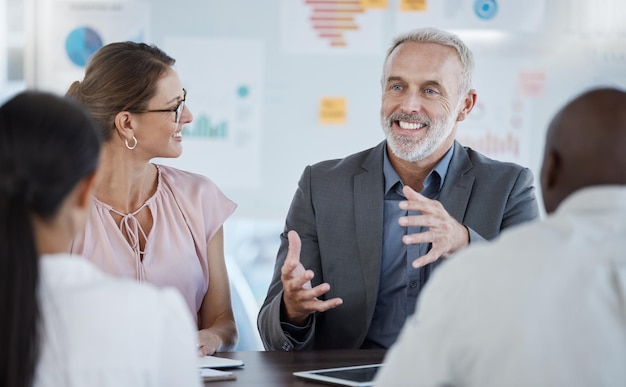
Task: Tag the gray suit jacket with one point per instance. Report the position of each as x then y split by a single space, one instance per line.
338 212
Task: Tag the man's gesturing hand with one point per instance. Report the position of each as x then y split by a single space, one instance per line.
299 298
444 232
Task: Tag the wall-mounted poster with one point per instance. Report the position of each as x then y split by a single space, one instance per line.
332 27
521 16
224 79
67 33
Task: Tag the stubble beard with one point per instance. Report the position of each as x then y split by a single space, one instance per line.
409 148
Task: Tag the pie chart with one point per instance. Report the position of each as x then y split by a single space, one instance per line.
81 43
486 9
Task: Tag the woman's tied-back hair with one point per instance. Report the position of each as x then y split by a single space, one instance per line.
120 76
47 145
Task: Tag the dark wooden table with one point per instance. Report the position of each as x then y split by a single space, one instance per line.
274 369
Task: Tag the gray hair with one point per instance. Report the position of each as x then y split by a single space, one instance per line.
444 38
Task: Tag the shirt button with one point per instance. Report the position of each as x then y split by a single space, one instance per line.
413 284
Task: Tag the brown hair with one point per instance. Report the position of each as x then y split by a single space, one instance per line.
120 76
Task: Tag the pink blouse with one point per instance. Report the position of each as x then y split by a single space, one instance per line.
187 210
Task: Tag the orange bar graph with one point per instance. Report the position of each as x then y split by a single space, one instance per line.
332 18
338 10
332 2
338 43
330 35
335 27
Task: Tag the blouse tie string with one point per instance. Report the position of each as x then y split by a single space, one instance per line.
130 228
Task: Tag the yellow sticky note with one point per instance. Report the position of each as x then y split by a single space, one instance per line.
332 110
413 5
378 4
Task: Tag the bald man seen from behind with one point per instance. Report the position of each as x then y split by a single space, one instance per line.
545 305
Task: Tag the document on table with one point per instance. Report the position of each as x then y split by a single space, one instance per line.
210 375
207 367
218 362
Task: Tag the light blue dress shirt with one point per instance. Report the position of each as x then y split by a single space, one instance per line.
400 283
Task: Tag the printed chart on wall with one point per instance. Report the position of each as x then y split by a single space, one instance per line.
69 32
332 26
470 14
500 123
224 94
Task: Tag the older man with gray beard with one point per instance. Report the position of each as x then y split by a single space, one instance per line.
364 233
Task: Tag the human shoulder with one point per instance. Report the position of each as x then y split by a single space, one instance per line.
483 162
491 174
354 161
191 187
127 290
467 279
195 193
182 178
504 258
80 282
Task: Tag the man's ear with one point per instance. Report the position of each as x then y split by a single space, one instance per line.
469 100
550 170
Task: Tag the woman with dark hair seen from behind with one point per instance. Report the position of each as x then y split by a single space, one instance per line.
152 222
63 322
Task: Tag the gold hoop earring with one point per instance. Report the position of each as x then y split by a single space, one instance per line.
131 147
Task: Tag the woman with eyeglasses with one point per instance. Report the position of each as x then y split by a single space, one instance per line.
63 322
152 222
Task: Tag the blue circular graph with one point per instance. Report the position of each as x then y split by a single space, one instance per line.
81 43
486 9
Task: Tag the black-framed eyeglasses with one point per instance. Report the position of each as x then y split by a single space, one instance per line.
178 109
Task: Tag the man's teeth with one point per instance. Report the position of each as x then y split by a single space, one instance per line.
178 134
410 125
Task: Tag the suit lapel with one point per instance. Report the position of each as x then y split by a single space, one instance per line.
368 213
457 187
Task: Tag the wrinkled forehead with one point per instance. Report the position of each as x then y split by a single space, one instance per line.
424 62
